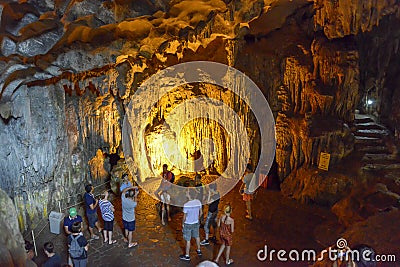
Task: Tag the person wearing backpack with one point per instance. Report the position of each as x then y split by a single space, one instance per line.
78 246
168 175
213 199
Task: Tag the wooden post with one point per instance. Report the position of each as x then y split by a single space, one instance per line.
34 242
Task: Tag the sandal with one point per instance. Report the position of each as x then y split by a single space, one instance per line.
131 245
112 242
105 241
229 262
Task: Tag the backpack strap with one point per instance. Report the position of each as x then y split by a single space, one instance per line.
226 217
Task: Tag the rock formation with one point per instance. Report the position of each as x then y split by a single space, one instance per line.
70 68
12 251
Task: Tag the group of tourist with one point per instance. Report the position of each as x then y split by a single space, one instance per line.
77 243
193 218
193 215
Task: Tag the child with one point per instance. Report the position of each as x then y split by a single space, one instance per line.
226 224
107 212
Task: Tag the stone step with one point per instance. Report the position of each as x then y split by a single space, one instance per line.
362 118
381 167
393 175
366 140
373 149
369 126
381 158
371 133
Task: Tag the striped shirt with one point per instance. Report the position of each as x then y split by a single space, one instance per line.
106 212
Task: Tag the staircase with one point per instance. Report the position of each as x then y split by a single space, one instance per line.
375 144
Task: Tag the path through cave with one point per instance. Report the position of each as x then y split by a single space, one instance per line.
279 223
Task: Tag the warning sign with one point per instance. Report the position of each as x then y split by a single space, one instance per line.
324 161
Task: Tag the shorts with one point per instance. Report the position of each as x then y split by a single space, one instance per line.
108 225
165 197
190 230
130 226
92 219
247 197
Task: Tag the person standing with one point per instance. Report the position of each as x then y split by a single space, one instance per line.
91 211
211 219
163 194
129 203
167 175
54 260
68 222
201 195
78 246
125 182
248 191
226 224
190 223
107 212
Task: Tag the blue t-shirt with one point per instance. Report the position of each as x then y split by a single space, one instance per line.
128 208
125 185
69 222
89 199
54 261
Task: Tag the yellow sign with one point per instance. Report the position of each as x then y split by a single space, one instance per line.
324 161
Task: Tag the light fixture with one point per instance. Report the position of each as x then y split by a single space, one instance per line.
370 102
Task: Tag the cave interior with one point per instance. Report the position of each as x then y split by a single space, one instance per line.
72 96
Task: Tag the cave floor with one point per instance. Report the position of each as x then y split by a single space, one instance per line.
279 223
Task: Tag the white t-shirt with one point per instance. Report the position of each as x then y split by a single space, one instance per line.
192 209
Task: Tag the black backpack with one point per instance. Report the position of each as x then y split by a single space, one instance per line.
172 177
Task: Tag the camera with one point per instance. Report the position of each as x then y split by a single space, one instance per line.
131 192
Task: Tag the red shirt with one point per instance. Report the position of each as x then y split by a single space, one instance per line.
167 176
